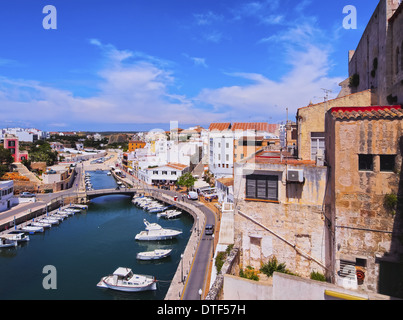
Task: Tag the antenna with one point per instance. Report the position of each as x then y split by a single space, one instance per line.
327 91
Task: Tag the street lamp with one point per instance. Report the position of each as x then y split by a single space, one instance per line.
213 244
182 267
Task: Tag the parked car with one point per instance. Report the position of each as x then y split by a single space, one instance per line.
27 195
192 195
209 230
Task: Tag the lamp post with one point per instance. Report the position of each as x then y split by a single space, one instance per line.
182 267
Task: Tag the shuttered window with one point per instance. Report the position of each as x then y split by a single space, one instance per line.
263 187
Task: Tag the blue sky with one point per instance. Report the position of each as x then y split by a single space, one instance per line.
139 64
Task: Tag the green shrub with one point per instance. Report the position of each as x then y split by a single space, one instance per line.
318 276
273 266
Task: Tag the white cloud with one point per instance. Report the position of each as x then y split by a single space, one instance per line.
130 91
265 98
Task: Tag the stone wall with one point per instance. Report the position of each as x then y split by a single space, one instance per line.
312 118
372 60
292 231
365 230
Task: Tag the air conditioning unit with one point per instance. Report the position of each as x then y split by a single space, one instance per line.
294 175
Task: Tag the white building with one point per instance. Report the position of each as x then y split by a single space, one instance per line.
7 199
168 173
221 144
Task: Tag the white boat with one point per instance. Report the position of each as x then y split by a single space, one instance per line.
56 216
60 215
155 232
156 209
32 229
49 220
154 255
123 279
170 214
16 236
6 243
78 206
41 224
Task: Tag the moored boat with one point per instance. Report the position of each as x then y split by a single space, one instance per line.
154 255
32 229
123 279
16 236
6 243
155 232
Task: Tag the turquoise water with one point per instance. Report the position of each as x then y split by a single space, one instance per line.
88 246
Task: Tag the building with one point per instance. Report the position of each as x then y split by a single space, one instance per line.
11 142
135 144
164 174
377 61
311 122
364 153
221 144
279 213
7 199
224 138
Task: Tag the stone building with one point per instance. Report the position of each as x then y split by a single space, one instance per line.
377 62
311 121
278 202
364 156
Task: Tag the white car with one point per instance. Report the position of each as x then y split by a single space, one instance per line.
192 195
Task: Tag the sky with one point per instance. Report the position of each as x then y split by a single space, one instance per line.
129 65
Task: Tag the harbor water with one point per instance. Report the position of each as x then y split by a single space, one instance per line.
87 246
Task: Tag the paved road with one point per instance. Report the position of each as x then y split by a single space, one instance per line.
200 268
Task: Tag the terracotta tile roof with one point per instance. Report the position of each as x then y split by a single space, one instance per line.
372 112
226 181
220 126
259 126
177 166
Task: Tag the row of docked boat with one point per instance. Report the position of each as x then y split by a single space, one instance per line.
21 233
153 206
88 184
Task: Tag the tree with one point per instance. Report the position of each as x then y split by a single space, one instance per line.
6 159
186 180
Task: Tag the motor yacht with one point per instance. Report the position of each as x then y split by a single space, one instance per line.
155 232
123 279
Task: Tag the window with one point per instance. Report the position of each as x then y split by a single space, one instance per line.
164 173
173 173
155 172
227 145
365 162
227 157
387 162
11 143
262 187
317 143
